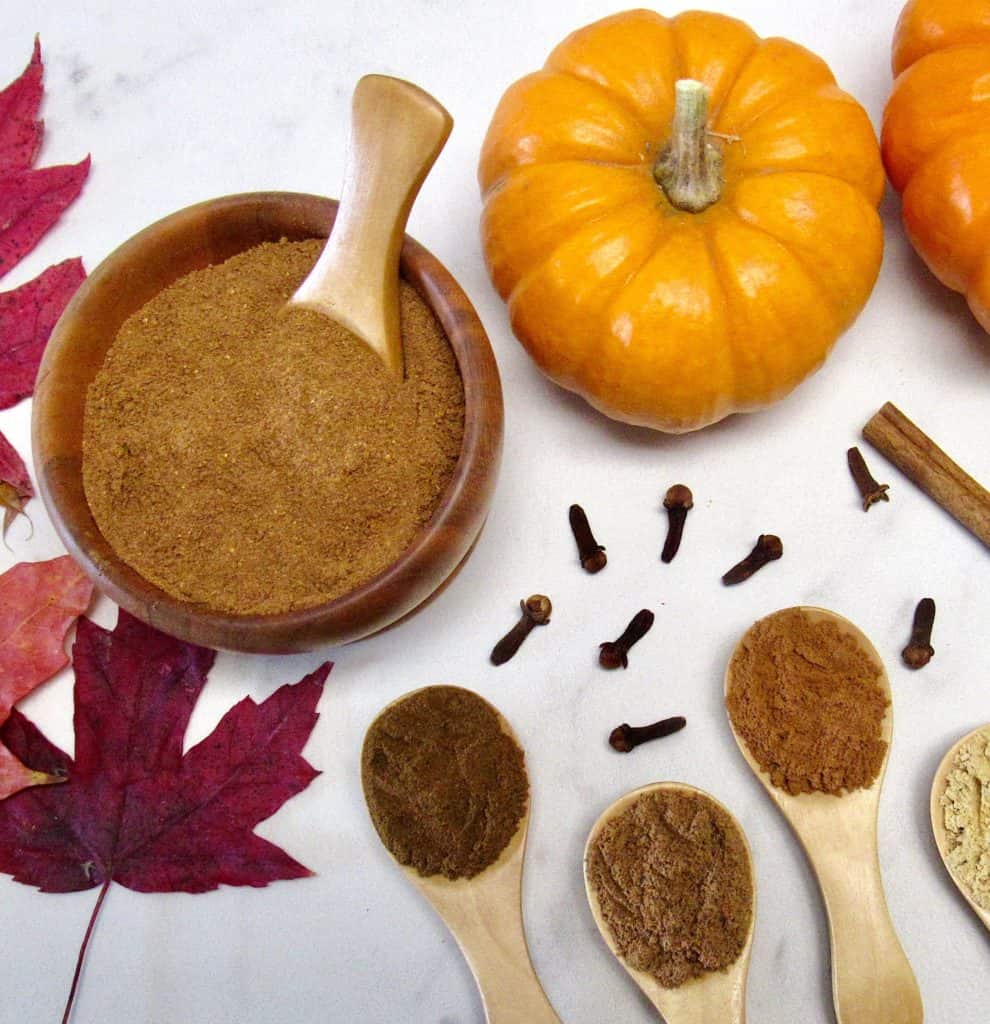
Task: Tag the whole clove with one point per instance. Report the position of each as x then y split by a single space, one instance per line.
678 501
613 653
919 650
869 490
535 612
768 549
627 737
590 552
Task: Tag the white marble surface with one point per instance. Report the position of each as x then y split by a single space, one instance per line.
197 98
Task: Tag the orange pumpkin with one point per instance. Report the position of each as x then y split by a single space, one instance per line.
936 140
675 273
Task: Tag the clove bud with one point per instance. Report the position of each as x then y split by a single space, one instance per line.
590 552
627 737
613 653
869 490
678 501
535 612
768 549
919 650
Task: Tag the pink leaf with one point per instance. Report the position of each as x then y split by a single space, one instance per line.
27 316
39 601
15 484
31 201
20 129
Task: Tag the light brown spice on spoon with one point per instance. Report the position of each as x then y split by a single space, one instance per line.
807 701
673 881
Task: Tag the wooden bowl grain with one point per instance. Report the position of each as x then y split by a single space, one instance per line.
194 238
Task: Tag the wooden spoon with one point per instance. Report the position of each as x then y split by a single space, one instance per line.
717 997
484 914
397 132
938 819
872 981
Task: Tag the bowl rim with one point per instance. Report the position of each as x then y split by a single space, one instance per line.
365 608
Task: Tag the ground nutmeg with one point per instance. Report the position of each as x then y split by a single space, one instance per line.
673 881
257 460
445 785
806 699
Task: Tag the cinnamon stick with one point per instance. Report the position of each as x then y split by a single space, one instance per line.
922 461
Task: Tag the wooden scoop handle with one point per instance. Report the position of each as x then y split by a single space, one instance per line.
872 981
397 132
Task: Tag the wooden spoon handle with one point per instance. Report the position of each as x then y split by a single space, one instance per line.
499 959
486 919
719 997
872 981
397 132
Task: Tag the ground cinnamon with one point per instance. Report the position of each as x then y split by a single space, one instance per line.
257 460
446 787
673 881
805 697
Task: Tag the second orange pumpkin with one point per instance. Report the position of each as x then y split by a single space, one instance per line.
936 140
674 276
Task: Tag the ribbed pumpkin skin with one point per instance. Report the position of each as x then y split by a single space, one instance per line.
657 316
936 140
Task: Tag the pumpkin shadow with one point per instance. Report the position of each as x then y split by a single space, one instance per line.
950 307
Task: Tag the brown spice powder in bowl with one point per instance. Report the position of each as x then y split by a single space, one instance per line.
445 785
673 882
258 461
806 699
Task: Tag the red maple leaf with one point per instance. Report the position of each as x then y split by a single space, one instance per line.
15 484
31 201
134 809
20 128
27 316
39 601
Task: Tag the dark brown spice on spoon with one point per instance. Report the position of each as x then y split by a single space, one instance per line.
446 787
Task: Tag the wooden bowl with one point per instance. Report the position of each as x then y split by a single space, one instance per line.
194 238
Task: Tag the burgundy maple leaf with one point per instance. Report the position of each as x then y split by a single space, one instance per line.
134 809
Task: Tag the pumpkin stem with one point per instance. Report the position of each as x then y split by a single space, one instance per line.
690 167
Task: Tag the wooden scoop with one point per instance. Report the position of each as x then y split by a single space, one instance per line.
484 914
938 819
872 981
716 998
397 132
